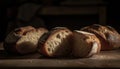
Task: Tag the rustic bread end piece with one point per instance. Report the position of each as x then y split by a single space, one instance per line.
56 43
108 36
24 40
85 44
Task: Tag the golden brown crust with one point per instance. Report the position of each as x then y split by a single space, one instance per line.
13 37
108 36
101 37
21 46
113 39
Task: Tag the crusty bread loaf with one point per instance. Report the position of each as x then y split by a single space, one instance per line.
23 40
56 43
109 37
85 44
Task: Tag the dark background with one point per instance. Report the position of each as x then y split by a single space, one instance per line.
73 21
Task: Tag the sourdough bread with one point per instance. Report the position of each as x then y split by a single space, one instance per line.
56 43
23 40
85 44
109 37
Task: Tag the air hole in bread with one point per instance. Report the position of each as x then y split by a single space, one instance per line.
49 49
56 43
49 42
50 45
58 36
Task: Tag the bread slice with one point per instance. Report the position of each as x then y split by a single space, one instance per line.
109 37
24 40
85 44
98 30
56 43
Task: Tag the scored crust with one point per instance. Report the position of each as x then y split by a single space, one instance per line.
14 35
11 39
85 44
29 42
98 30
56 43
108 36
113 37
26 42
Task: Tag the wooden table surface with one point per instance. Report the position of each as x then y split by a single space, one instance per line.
105 59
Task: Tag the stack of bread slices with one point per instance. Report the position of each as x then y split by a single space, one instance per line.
61 41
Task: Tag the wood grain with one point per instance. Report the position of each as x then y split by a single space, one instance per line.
105 59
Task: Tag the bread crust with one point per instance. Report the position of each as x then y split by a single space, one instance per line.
26 40
85 44
50 38
11 39
108 36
